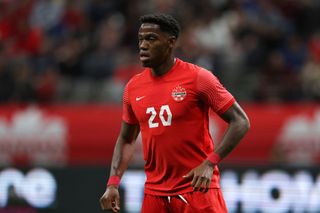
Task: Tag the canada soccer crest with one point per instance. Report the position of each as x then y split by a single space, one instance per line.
179 93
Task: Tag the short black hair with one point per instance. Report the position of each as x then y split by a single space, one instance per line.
166 23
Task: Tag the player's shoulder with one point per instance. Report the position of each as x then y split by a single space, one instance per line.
196 69
188 66
137 78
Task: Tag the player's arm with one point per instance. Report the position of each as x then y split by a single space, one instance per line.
238 126
124 148
122 154
215 96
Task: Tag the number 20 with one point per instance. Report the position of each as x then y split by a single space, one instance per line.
153 112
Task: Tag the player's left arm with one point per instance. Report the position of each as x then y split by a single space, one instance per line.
212 93
238 125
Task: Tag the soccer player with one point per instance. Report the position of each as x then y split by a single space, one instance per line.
169 103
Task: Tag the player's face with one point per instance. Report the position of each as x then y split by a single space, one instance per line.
155 46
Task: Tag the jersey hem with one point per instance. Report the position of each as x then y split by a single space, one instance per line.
226 106
189 189
130 122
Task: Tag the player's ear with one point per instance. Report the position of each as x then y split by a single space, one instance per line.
172 41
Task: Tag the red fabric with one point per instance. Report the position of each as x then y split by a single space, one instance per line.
30 42
5 29
214 158
314 48
73 18
172 111
47 86
213 93
197 202
114 180
15 14
127 112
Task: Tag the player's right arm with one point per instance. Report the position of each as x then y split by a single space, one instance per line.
122 154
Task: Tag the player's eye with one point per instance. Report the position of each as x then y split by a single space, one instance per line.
151 38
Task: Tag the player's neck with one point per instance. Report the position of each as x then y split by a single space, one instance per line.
163 68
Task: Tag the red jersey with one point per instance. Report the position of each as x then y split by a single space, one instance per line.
172 111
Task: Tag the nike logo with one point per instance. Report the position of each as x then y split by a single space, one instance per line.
139 98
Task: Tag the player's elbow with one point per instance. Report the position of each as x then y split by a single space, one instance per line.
245 124
242 125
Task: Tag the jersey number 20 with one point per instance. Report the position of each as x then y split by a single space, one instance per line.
153 112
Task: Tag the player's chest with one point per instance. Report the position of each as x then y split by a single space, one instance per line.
163 102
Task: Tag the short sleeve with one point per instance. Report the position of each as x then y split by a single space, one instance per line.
213 93
128 115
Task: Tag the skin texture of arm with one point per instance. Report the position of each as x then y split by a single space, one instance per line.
238 126
122 155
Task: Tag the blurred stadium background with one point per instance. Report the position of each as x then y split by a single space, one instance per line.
63 66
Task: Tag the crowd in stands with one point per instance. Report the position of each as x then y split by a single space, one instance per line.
84 51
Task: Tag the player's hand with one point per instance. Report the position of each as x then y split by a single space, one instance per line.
110 200
202 176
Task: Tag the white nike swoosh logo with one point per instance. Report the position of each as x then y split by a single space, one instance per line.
139 98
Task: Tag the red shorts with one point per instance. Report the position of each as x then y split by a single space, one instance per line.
192 202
